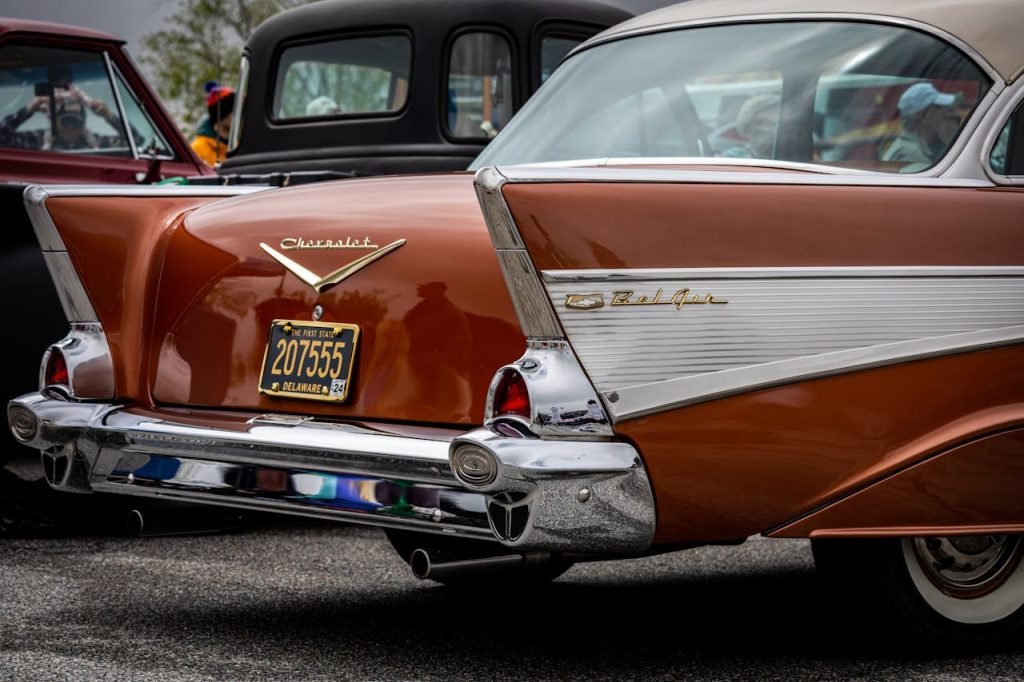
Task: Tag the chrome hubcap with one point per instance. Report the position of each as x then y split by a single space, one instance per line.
968 567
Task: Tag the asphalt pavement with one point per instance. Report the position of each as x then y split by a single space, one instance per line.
333 602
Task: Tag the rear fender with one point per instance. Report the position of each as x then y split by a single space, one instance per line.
103 246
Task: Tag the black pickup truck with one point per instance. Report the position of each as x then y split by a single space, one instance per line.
369 87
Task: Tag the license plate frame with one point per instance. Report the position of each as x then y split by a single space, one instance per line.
324 384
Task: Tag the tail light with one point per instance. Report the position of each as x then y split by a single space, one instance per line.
55 369
511 396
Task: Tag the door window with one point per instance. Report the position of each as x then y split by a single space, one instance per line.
59 100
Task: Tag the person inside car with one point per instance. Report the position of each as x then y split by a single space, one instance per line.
930 122
756 123
69 131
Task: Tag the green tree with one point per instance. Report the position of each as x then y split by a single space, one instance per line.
204 42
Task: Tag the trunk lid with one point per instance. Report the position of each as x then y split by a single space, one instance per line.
434 317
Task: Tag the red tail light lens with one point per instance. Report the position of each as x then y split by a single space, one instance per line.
511 396
56 373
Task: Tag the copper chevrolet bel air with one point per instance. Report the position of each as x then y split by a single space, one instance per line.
738 268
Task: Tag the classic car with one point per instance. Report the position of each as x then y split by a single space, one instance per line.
65 95
621 334
368 87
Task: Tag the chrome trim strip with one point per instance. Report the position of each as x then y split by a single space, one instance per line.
148 190
536 317
538 173
73 297
563 402
120 106
34 198
531 303
644 274
639 401
996 119
504 234
88 359
903 22
773 164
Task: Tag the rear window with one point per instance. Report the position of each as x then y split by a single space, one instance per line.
847 94
479 96
365 75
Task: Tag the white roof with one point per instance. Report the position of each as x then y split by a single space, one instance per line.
993 28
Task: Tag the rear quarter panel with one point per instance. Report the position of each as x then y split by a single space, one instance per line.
731 466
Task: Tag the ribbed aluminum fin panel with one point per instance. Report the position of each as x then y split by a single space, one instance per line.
778 319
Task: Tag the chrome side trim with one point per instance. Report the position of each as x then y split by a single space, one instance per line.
535 315
779 325
90 367
566 495
530 302
35 197
146 190
790 273
497 216
73 297
540 173
563 402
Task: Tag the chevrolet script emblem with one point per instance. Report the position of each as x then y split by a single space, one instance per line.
322 284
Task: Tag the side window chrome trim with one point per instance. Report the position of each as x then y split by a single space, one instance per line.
125 126
998 117
549 173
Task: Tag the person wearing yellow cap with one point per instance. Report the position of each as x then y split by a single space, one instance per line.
211 140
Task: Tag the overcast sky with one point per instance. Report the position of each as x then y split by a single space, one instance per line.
132 19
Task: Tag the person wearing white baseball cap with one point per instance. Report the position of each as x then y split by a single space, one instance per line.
930 122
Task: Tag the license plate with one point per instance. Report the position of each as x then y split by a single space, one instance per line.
310 360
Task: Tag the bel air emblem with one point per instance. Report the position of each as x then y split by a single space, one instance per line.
682 297
321 284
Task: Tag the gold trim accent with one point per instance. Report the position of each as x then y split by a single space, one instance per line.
321 284
584 301
680 298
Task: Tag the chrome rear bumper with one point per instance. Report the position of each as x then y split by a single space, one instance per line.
568 496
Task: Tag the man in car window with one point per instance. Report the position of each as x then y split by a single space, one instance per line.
930 122
69 131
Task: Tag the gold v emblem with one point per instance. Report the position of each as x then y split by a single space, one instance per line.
321 284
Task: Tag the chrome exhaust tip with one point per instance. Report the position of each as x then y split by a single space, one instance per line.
432 564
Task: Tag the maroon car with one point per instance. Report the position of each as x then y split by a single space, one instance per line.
74 108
